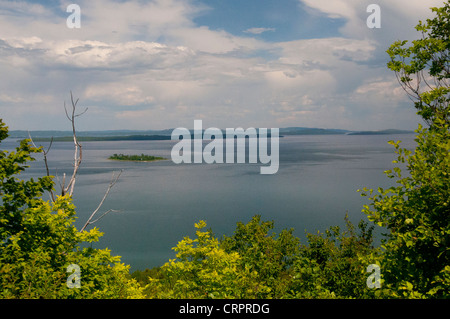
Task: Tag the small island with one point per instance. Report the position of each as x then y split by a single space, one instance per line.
136 158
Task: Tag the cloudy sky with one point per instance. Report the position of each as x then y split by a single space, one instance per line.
232 63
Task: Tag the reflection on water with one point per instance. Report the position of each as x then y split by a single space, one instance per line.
159 202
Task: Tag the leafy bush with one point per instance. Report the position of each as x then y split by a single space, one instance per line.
255 264
204 270
39 241
416 212
416 261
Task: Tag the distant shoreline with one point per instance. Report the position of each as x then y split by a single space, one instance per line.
104 138
165 135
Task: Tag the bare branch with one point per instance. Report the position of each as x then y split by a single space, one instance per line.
45 156
31 139
59 181
104 214
78 156
111 185
45 152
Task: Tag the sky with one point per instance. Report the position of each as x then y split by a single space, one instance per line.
231 63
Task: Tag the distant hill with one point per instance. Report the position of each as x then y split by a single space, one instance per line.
310 131
36 134
104 138
382 132
124 135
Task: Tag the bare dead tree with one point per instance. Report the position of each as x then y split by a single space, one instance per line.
78 157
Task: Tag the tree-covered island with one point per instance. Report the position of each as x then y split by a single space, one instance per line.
136 158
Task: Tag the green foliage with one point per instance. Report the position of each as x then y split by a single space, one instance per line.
423 69
255 264
417 214
269 255
204 270
39 241
333 264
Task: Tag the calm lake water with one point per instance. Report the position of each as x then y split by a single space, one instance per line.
159 202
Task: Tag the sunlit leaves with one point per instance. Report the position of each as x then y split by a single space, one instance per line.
423 68
39 241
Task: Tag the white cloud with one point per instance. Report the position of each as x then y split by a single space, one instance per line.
258 30
148 65
398 18
216 42
334 9
10 99
120 94
317 53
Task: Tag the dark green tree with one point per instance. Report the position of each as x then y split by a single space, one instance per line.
333 264
270 255
416 212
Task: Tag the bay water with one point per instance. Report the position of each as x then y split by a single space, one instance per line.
159 202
